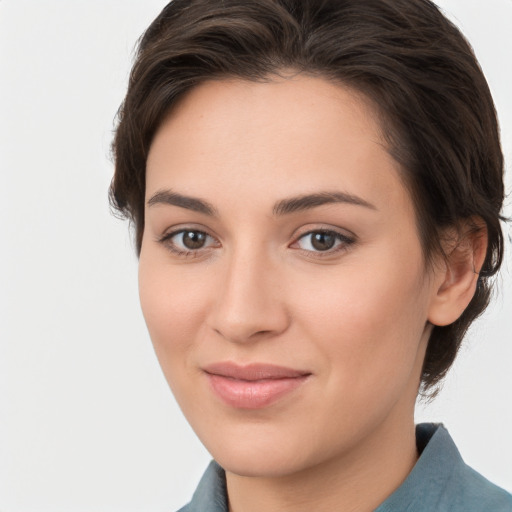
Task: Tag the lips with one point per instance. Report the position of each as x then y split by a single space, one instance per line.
253 386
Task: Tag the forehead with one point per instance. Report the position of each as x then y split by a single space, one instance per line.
273 139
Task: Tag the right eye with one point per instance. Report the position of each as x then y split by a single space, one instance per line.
187 241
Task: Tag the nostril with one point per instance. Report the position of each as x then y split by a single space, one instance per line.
247 309
244 333
261 333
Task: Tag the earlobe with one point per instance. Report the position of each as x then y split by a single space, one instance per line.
458 271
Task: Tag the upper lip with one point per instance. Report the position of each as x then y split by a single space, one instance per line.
253 371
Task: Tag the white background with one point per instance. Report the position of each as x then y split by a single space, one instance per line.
86 420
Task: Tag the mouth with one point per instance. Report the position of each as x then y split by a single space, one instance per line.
253 386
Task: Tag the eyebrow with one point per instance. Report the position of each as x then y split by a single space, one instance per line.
282 207
307 201
190 203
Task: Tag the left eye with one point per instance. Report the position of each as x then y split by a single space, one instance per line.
322 241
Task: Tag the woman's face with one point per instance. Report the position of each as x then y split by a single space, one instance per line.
278 232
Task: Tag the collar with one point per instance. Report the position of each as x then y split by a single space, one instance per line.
440 480
430 477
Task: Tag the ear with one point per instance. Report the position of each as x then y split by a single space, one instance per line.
457 273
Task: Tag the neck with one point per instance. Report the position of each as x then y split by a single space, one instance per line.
357 481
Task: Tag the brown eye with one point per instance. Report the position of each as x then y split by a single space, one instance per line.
187 241
322 241
193 239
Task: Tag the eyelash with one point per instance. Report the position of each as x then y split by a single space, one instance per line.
167 241
343 242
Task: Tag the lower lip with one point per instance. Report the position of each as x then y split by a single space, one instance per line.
254 394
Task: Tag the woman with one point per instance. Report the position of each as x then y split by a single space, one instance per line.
316 190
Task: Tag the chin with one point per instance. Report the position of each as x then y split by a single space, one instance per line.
261 456
259 465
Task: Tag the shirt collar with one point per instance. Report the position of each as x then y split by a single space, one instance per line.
438 463
211 492
428 479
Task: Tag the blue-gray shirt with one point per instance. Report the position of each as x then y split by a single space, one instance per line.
440 481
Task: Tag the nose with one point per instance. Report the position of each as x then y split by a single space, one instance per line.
250 305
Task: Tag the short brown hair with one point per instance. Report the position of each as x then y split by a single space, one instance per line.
410 61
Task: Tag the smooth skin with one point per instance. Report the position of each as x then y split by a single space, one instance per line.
340 290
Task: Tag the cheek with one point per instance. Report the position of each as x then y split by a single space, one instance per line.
368 318
173 304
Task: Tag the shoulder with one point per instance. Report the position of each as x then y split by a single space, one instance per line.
466 489
460 487
210 495
473 492
441 481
